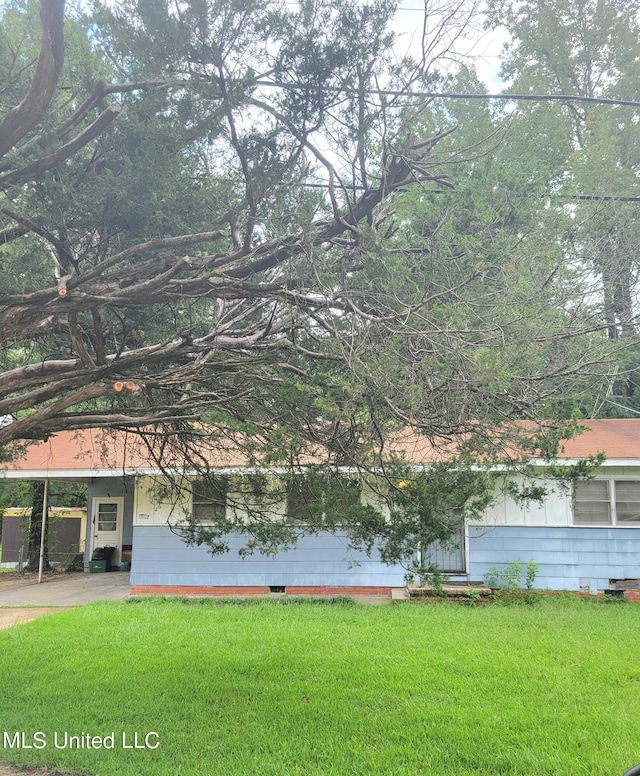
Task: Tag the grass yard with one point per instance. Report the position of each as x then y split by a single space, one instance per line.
270 688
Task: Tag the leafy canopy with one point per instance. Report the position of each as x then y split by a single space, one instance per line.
234 222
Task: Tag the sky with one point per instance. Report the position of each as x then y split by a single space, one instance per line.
480 46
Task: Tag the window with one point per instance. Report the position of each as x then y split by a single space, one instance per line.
607 502
107 516
300 503
312 499
592 503
210 498
627 502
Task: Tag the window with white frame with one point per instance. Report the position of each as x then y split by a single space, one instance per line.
210 498
607 502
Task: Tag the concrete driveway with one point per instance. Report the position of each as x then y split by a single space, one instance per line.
18 590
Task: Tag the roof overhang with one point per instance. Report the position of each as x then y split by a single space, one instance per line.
61 475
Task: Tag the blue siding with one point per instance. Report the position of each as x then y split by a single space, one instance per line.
160 557
568 558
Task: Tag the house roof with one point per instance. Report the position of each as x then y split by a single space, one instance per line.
616 438
95 452
82 455
73 455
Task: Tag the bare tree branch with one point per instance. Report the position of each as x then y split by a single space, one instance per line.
36 168
25 116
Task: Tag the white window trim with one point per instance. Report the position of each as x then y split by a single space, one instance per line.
613 507
194 501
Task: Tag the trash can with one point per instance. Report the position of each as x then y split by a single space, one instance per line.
103 554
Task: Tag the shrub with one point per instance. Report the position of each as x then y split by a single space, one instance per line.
507 582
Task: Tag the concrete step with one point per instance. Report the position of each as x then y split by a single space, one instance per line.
450 591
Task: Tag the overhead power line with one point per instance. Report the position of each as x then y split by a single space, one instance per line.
571 197
602 198
456 96
534 97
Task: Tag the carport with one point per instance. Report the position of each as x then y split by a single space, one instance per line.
94 457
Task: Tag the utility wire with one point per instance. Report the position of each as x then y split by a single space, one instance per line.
560 195
533 97
583 197
455 96
601 198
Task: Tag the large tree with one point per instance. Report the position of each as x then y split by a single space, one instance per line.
589 49
184 238
232 214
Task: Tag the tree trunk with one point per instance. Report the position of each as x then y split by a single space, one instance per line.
35 530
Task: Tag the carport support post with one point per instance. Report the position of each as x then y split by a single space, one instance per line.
44 528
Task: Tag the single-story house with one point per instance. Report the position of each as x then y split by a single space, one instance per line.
586 540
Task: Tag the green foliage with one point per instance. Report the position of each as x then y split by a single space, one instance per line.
301 304
18 493
532 570
496 235
507 577
471 596
393 512
507 581
587 48
608 600
250 601
427 505
525 494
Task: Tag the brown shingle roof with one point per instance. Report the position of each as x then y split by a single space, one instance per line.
70 451
93 450
99 451
617 438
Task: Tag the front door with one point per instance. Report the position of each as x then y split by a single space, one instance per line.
451 558
106 525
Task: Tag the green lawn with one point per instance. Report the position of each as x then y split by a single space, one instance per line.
303 688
